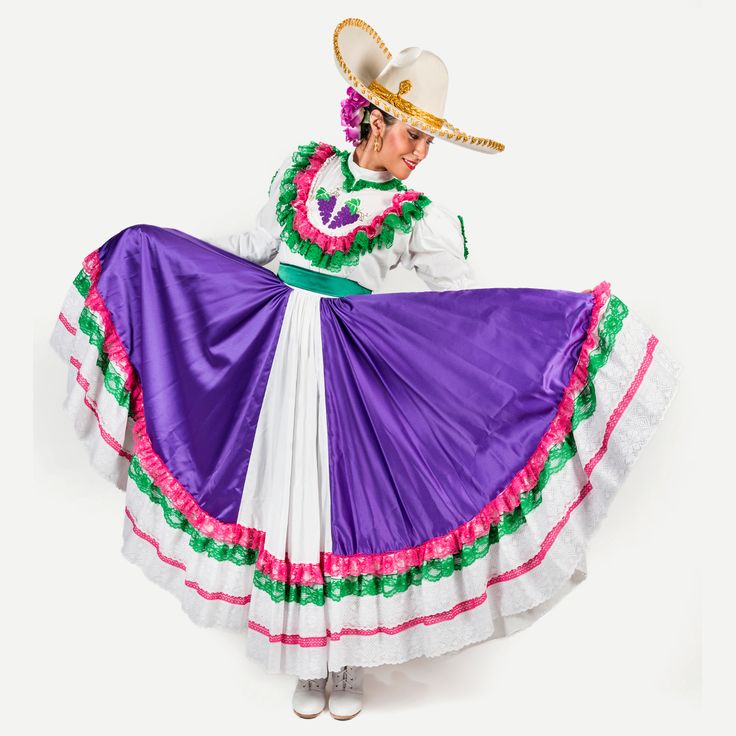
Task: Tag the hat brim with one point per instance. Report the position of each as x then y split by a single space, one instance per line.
360 55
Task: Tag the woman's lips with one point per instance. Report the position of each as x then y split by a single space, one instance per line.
411 165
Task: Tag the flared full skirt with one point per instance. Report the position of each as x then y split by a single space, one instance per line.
354 480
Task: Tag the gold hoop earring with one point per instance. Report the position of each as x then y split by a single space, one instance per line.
377 143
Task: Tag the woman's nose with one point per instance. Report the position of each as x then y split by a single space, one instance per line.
421 149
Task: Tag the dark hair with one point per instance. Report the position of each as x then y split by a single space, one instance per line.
365 128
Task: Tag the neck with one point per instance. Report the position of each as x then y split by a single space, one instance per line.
367 158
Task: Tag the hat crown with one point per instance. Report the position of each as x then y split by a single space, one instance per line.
419 76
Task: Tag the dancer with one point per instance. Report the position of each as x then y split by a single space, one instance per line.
353 478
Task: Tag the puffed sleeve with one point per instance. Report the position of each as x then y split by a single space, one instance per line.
437 250
261 243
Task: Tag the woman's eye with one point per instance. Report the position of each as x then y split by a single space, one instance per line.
414 137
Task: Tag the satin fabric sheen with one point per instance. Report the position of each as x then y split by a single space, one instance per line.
434 399
200 327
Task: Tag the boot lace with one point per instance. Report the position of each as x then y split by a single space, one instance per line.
343 680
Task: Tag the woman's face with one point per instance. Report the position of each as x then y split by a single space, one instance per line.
403 148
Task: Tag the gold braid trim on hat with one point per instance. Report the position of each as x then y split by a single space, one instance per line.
452 133
400 103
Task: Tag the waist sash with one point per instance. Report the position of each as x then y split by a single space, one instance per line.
323 283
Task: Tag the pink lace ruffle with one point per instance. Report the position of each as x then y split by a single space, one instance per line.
331 565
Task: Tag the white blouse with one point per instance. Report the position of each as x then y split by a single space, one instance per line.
434 248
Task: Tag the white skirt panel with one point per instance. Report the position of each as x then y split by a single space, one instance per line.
286 492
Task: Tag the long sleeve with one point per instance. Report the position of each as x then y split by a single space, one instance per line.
261 243
437 251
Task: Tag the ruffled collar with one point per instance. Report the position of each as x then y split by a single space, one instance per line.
358 177
359 172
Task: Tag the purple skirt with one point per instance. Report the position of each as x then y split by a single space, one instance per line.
353 480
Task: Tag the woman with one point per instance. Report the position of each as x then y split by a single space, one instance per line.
355 478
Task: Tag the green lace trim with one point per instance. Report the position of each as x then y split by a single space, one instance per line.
465 241
431 570
90 324
611 322
410 211
220 551
113 379
82 283
352 184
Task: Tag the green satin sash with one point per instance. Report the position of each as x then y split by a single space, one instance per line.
323 283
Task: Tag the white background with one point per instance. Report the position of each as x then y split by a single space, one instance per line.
618 167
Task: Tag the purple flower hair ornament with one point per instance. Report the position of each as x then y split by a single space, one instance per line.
352 110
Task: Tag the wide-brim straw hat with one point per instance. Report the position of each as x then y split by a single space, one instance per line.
411 86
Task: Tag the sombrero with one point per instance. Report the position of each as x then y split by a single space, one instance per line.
411 86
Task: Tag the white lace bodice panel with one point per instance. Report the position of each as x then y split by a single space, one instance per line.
326 213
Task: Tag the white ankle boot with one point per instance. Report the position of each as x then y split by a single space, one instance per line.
309 697
346 698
